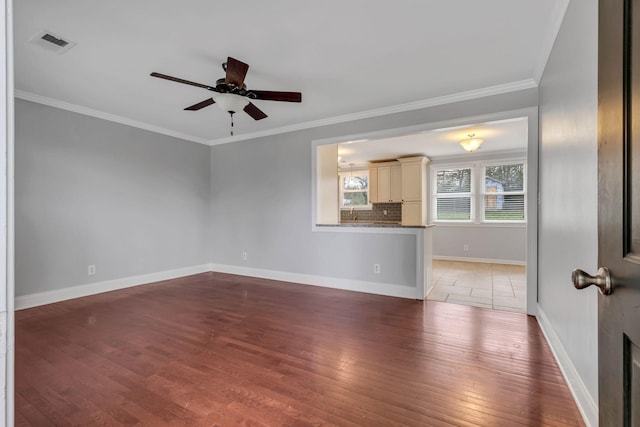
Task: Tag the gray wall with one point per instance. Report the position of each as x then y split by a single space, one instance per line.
568 188
261 203
490 242
89 191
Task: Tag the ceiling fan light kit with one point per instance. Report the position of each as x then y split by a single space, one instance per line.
231 103
232 94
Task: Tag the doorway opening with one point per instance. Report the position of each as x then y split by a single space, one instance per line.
480 207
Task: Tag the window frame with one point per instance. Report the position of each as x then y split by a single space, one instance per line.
434 193
341 191
478 193
483 170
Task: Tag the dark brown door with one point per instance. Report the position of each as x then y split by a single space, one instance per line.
619 211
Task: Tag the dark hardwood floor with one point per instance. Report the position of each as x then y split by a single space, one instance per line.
223 350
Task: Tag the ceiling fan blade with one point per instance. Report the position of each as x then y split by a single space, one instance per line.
254 112
236 72
176 79
270 95
201 105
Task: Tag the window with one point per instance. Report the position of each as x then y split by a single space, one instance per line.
453 198
504 192
354 189
482 192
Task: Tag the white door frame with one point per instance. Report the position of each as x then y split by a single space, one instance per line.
7 213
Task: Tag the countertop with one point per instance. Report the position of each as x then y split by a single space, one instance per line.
382 224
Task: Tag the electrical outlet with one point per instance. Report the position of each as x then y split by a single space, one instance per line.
384 212
376 268
244 256
91 270
465 248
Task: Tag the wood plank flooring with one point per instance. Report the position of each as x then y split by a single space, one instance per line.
223 350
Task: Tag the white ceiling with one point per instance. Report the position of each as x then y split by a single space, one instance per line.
498 136
346 57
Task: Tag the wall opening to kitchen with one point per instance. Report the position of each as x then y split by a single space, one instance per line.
482 226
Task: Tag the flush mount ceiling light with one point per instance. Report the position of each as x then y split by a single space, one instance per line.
471 144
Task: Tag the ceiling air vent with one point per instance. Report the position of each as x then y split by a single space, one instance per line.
51 42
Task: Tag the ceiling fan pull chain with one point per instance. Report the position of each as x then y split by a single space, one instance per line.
231 114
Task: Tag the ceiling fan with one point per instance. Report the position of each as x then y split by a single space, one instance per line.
232 94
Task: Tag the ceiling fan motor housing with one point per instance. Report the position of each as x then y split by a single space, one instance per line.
223 87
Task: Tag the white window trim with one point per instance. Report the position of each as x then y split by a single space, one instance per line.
482 167
434 192
477 191
358 172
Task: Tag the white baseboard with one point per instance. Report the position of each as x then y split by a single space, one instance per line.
586 404
387 289
484 260
48 297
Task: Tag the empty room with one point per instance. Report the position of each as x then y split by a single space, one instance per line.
330 213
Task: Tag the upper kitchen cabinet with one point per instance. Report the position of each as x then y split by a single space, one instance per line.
401 181
395 183
385 180
373 184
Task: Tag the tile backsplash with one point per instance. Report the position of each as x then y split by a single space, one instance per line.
394 213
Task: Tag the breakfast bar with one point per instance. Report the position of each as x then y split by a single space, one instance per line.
423 255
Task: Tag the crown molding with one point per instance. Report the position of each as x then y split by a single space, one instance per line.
28 96
417 105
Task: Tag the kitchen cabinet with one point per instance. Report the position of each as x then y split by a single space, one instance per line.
386 184
414 190
401 181
395 184
412 185
412 213
373 185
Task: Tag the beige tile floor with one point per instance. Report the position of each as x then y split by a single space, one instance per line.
497 286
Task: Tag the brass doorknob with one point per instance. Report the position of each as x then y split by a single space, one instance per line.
602 280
